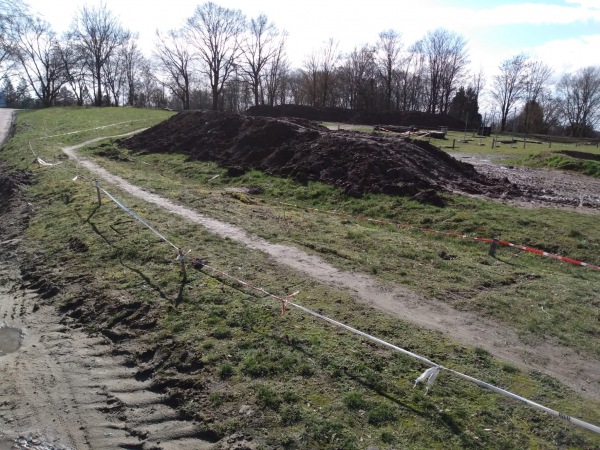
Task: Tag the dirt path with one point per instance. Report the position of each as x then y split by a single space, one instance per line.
579 373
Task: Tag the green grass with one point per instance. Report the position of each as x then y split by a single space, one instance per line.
306 384
536 296
562 162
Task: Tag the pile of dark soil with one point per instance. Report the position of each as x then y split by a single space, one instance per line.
355 162
404 118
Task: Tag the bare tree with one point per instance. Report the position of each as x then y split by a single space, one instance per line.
509 84
99 35
13 15
409 80
114 77
276 71
76 70
536 78
258 48
319 71
447 59
133 61
215 33
580 99
390 47
359 73
38 51
175 64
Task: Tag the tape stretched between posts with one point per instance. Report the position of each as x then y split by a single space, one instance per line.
446 233
138 218
44 163
432 373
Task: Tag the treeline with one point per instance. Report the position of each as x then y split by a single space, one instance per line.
220 59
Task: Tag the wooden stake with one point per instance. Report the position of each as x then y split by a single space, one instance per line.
181 258
98 192
493 246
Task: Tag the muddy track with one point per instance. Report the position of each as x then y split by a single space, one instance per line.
67 389
64 388
581 374
559 189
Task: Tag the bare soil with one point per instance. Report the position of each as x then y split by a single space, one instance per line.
553 188
356 162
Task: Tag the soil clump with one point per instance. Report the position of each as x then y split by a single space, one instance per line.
291 147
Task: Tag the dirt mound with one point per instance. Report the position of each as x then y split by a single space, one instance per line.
356 162
403 118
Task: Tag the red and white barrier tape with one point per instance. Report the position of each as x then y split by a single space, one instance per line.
447 233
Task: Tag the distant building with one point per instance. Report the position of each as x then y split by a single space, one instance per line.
2 100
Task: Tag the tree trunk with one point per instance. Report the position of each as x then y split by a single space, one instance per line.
99 93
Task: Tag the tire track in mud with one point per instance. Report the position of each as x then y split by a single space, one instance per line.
577 372
67 390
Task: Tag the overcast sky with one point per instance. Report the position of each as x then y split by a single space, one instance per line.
565 34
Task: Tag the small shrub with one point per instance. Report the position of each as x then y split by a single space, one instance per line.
387 437
382 414
290 397
221 332
225 371
267 397
216 399
290 414
354 400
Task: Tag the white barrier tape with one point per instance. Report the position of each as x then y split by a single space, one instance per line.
431 374
483 384
135 216
363 334
44 163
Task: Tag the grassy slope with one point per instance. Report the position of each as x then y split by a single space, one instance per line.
306 382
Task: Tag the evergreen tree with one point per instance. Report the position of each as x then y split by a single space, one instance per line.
465 106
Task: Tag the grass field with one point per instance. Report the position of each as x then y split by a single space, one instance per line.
310 384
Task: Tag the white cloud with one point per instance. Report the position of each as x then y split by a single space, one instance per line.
592 4
517 14
568 55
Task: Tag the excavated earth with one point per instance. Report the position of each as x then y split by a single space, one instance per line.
292 147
